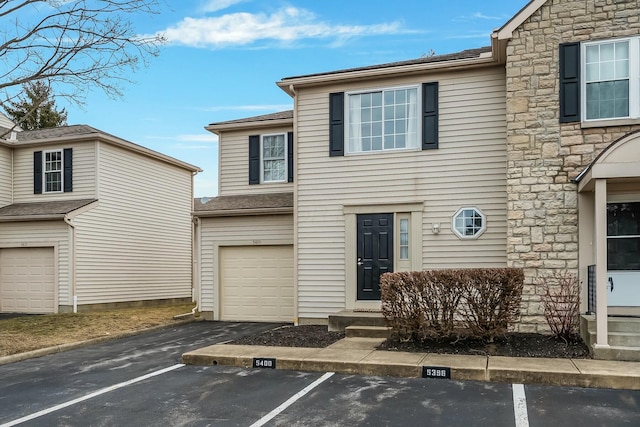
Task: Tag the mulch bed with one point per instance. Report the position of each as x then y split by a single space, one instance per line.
293 336
512 344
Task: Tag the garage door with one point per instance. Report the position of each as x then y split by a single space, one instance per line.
256 283
27 283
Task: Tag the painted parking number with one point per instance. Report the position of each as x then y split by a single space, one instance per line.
264 362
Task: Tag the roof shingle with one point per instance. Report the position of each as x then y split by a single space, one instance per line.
38 209
243 203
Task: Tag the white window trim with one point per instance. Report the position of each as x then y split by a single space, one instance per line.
465 237
286 154
44 171
347 124
634 78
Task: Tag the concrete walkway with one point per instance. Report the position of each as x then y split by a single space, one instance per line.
359 356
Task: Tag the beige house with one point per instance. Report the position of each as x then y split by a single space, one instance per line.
89 219
525 153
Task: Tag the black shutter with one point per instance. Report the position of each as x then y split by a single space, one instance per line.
336 124
429 116
254 159
290 157
569 82
68 169
37 172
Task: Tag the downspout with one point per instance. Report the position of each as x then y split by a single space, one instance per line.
196 263
72 263
296 319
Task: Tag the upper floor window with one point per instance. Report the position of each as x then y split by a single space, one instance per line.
271 158
611 84
274 158
53 171
383 120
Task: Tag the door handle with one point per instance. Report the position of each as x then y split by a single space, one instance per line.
360 261
611 283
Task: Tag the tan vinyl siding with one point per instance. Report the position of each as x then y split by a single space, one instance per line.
84 167
136 244
469 169
43 234
243 230
5 176
234 164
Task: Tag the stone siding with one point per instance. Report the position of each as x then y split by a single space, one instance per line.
544 156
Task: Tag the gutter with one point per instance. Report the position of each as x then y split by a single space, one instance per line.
288 84
23 218
67 139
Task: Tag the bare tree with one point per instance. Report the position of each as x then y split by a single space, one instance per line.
74 45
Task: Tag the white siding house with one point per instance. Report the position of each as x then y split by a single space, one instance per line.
523 154
87 214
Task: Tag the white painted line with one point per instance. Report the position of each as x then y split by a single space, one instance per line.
520 405
90 396
262 421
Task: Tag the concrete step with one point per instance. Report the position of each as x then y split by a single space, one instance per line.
616 324
339 321
624 339
367 331
631 354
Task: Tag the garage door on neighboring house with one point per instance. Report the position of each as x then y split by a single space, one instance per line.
256 283
27 280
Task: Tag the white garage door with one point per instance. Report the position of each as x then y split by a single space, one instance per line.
27 283
256 283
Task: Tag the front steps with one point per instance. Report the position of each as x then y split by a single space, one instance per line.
359 324
623 338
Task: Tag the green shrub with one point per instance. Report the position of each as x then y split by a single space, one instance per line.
446 304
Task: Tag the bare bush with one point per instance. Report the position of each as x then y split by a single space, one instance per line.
561 301
446 304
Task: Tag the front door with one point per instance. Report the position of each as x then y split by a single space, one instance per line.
375 253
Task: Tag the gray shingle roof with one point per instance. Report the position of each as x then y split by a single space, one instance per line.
39 209
33 135
243 203
465 54
282 115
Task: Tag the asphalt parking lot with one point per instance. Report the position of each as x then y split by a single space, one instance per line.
139 381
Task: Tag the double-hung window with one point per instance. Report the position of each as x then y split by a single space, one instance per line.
611 83
53 171
274 158
386 119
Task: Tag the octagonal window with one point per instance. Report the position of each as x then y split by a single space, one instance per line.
469 223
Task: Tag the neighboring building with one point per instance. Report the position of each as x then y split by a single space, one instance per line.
90 217
522 154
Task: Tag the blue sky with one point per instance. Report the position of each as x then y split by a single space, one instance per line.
224 57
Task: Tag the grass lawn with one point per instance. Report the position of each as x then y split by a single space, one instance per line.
27 333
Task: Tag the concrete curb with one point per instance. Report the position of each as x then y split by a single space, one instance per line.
79 344
557 372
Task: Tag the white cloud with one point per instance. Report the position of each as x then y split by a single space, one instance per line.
479 16
216 5
286 25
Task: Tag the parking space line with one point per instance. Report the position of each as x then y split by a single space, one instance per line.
90 396
262 421
520 405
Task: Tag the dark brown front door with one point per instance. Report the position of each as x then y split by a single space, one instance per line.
375 253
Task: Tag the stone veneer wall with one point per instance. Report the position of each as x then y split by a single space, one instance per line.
543 155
